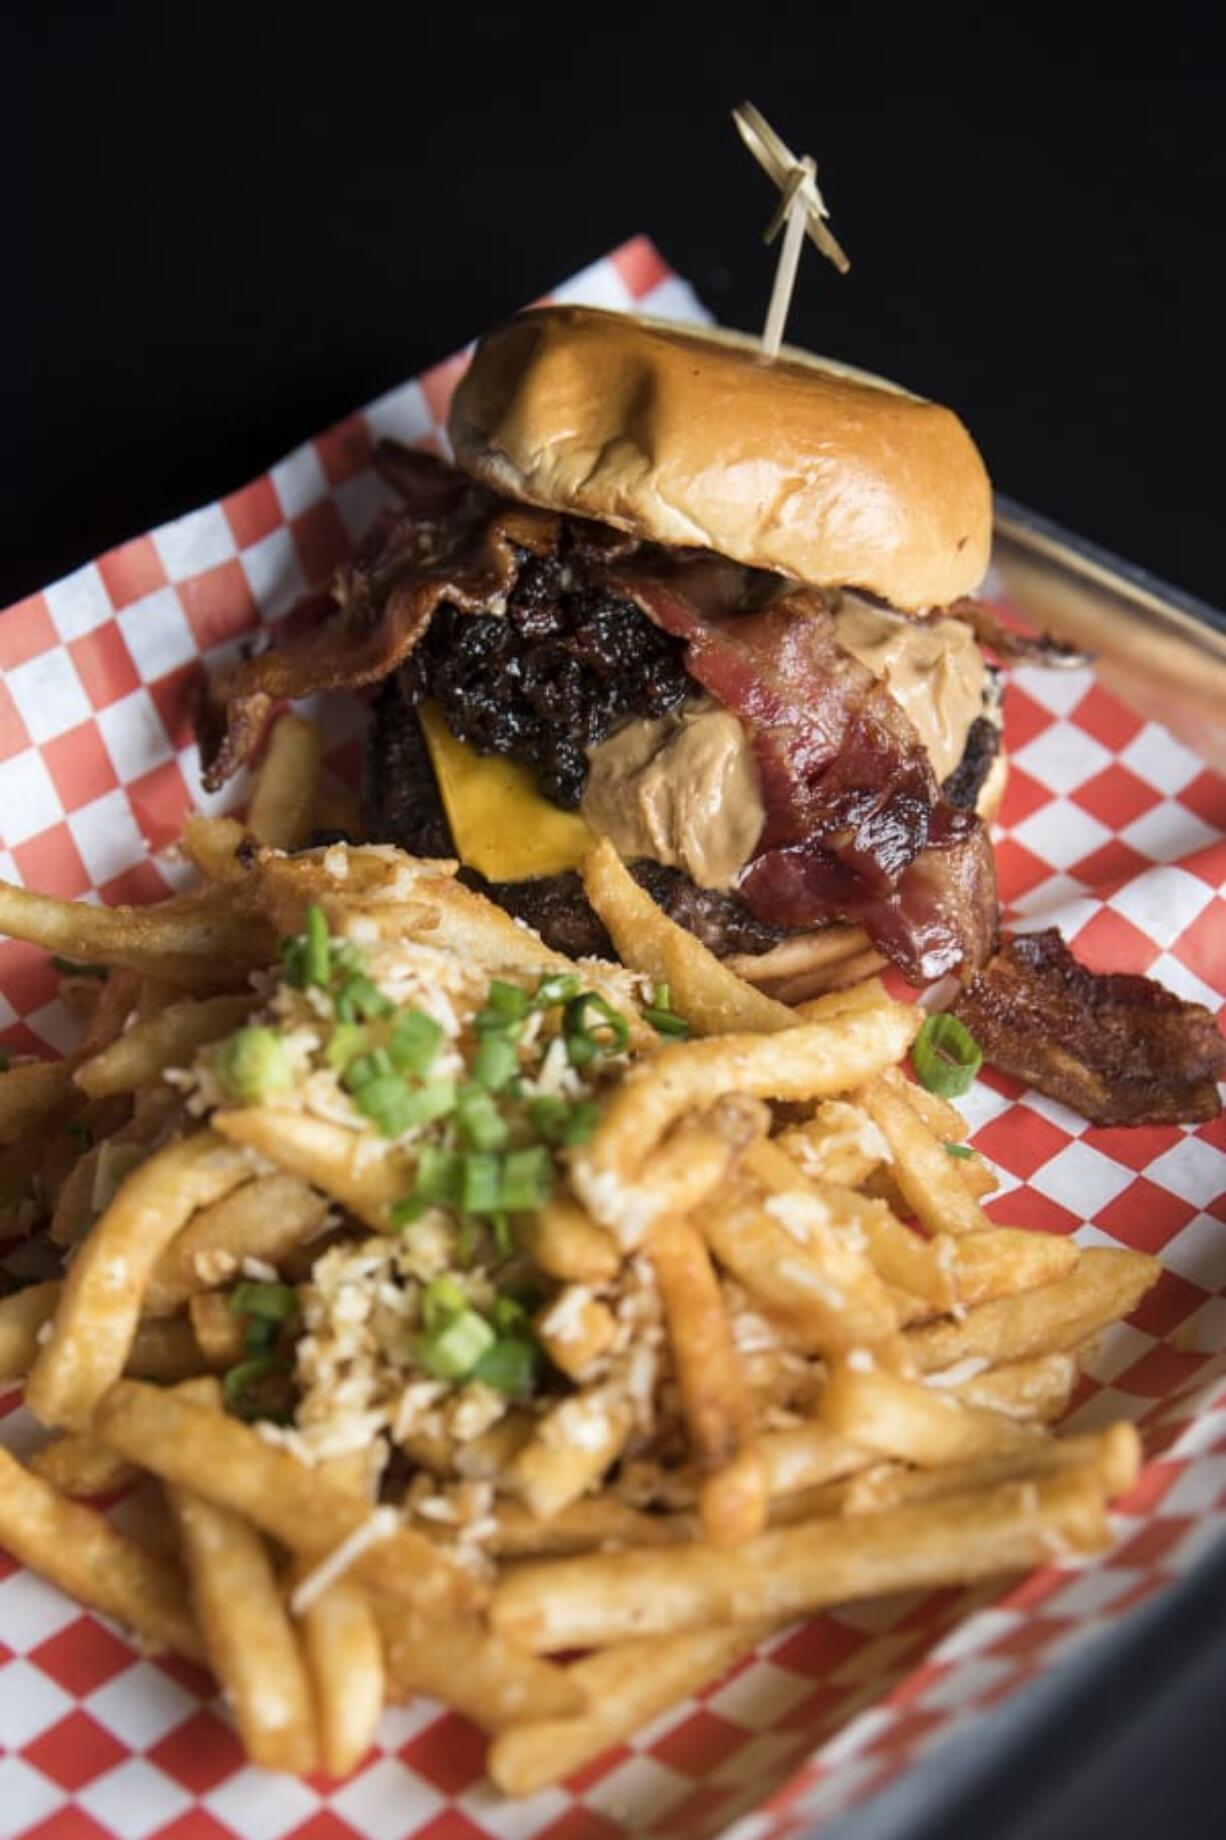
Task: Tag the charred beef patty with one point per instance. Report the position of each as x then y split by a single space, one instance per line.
401 804
567 663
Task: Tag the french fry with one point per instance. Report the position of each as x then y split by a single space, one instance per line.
574 1330
250 1641
355 1167
713 999
593 1601
160 1351
593 1521
808 1062
565 1242
1103 1286
898 1256
35 1097
77 1549
1112 1457
194 1447
263 1219
789 1253
22 1316
806 1457
896 1417
81 1468
344 1655
492 1681
212 844
573 1445
999 1262
715 1399
626 1687
169 1038
165 1350
1038 1389
695 1157
925 1173
283 803
95 1322
838 1144
193 940
220 1333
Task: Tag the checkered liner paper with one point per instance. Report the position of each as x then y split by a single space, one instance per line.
1111 830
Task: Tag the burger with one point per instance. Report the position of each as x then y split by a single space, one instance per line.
712 605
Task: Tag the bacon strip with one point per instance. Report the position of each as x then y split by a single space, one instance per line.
856 829
449 540
856 825
1117 1048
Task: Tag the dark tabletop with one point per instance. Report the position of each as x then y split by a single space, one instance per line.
222 234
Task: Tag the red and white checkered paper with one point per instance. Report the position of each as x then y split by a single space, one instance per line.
1111 829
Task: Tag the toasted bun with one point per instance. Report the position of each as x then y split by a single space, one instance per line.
790 464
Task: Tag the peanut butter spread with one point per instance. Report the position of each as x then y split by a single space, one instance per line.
932 667
683 790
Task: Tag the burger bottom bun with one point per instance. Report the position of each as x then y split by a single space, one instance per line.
833 957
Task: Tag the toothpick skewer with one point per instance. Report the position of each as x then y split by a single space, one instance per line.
801 210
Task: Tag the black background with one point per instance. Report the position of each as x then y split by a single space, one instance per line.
224 228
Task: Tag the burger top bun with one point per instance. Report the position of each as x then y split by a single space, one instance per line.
695 439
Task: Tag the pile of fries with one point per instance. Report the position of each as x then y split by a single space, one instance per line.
450 1306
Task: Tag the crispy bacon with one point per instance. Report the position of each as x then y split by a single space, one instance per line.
449 540
1009 643
1117 1048
856 827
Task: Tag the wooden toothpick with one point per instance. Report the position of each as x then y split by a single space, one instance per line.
801 211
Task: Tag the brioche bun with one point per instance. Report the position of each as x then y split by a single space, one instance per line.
695 439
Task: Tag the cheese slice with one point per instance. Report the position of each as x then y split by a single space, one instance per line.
501 824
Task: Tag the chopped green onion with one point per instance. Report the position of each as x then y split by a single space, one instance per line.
502 1233
346 957
581 1123
441 1299
253 1064
561 988
316 957
438 1177
495 1063
510 1366
359 999
607 1034
666 1022
480 1183
349 1039
414 1041
366 1067
466 1244
407 1210
84 1136
507 1001
959 1150
388 1102
245 1388
507 1314
527 1179
481 1124
426 1103
453 1349
549 1117
258 1297
946 1056
259 1335
69 967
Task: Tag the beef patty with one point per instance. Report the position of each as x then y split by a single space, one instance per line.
550 676
401 804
